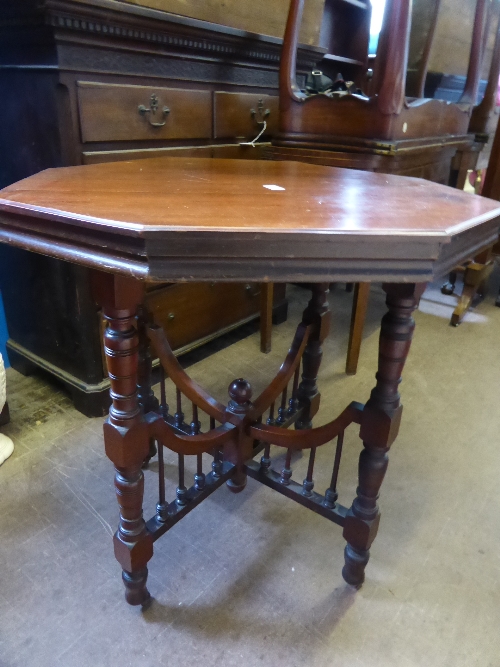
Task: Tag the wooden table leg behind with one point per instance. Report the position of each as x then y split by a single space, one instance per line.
475 279
379 427
317 314
476 274
125 433
359 307
266 316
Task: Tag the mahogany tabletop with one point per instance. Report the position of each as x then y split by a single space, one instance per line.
204 219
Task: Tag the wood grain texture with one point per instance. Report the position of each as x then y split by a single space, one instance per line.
469 95
258 16
234 151
451 48
423 66
392 54
191 312
126 437
386 114
206 194
359 308
110 112
47 48
351 43
189 219
234 117
428 158
379 427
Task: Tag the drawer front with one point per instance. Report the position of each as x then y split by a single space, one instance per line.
242 115
190 312
115 112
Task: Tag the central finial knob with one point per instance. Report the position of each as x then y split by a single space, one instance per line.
240 391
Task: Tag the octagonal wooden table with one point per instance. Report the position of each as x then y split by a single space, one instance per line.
183 219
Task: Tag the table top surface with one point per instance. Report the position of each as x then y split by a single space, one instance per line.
160 211
164 194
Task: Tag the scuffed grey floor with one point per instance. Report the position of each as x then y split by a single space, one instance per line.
254 579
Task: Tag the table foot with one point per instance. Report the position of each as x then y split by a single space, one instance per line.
356 560
136 592
476 274
237 483
463 306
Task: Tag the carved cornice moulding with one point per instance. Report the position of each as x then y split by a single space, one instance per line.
113 20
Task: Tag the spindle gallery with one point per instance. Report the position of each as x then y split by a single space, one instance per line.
243 428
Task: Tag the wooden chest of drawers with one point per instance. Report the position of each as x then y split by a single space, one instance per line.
194 313
98 80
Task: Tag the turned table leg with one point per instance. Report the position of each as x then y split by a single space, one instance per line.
379 427
125 433
318 315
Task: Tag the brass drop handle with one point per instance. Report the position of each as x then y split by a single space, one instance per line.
260 114
154 104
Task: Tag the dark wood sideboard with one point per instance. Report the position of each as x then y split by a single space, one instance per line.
101 80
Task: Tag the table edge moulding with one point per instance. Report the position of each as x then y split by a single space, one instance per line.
185 219
214 245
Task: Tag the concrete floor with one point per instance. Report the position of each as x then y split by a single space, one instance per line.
255 579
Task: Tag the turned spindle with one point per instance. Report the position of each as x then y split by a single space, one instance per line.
265 460
179 415
199 478
308 484
286 472
240 403
331 495
181 491
282 410
317 316
293 403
